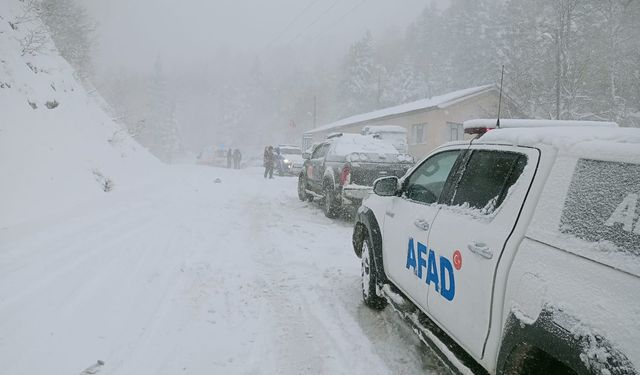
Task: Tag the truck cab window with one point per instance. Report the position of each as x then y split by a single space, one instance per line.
487 178
426 183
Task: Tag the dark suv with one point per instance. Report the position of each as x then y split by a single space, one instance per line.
341 170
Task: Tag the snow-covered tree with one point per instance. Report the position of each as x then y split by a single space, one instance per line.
71 30
427 47
614 32
405 83
160 132
471 35
360 87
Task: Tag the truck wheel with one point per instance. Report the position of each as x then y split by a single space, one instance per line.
529 360
369 278
302 188
330 206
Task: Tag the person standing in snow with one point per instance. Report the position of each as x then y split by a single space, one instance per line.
268 161
278 161
229 158
237 157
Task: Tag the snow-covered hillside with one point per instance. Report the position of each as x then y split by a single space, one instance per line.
58 147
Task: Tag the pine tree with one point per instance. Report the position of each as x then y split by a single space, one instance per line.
471 35
360 88
612 29
161 133
526 47
406 83
71 30
428 47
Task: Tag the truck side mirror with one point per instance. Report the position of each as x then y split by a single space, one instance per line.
386 186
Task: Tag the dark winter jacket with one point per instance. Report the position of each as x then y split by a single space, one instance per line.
269 157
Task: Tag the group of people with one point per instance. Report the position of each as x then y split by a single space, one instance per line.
234 158
273 159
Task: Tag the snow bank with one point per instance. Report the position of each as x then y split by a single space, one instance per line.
57 145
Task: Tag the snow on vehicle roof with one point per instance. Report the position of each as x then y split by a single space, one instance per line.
533 123
350 143
566 137
384 129
441 101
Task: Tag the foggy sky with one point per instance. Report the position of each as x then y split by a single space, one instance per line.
134 33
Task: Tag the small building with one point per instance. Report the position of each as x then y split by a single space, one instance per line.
429 122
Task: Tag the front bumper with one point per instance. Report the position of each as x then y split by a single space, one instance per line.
292 169
295 169
356 192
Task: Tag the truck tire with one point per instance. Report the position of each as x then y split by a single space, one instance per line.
330 206
302 187
529 360
369 278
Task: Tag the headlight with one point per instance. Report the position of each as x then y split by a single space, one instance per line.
286 161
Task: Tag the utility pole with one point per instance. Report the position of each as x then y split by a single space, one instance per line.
379 91
558 66
315 111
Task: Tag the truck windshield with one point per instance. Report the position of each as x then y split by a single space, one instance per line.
290 151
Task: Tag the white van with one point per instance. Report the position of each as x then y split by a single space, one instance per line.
396 135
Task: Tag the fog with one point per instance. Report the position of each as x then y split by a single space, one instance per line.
184 75
203 47
135 33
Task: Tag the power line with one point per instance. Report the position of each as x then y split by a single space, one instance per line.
290 24
337 21
315 21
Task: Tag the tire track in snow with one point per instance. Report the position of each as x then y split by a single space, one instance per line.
309 340
316 298
198 277
50 264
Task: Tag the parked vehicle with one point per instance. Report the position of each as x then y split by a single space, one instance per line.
291 159
341 170
394 135
518 252
211 155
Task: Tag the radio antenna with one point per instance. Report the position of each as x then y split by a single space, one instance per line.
500 98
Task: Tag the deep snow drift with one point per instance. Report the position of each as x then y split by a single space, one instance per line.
51 159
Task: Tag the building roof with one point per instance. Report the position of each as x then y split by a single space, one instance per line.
436 102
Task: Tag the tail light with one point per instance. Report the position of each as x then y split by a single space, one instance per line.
345 175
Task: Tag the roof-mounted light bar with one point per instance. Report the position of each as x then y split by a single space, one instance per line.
481 126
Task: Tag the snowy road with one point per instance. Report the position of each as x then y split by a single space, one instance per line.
188 276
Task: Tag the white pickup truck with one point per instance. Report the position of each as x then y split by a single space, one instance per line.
517 252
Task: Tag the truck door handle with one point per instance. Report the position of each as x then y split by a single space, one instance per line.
480 249
390 213
422 224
